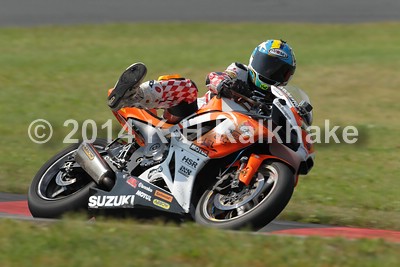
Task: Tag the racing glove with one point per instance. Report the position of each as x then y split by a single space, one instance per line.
242 88
224 88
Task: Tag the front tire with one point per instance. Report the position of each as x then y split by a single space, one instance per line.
52 194
253 206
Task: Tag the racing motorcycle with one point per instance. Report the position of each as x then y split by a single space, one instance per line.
234 163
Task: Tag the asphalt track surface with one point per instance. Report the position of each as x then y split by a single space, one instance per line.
28 13
15 206
44 12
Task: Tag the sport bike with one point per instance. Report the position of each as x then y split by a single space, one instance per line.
232 164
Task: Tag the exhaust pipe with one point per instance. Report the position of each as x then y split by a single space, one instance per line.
90 160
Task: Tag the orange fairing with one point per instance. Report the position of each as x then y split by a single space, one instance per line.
169 77
144 115
304 133
233 132
242 131
252 166
215 103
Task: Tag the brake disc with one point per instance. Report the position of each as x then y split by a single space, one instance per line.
221 203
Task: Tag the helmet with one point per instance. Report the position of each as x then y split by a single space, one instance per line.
272 63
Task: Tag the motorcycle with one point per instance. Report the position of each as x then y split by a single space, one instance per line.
232 164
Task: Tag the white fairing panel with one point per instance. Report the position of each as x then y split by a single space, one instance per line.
301 154
188 162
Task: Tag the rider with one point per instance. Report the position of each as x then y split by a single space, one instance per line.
271 63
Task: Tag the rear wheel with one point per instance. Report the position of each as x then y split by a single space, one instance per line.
255 205
61 185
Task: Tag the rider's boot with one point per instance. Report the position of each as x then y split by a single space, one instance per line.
127 86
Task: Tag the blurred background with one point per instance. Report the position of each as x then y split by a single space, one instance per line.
59 58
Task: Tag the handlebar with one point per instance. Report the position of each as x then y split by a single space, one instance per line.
255 105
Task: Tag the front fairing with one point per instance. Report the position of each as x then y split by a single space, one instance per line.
296 96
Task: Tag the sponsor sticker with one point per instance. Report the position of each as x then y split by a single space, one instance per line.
190 162
154 171
199 150
163 195
264 86
111 201
161 204
88 153
185 171
143 195
145 187
111 100
132 182
277 52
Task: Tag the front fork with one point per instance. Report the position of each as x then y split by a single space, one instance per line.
248 170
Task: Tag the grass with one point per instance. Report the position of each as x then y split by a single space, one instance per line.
349 71
112 243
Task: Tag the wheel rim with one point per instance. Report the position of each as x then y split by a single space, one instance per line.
54 186
233 205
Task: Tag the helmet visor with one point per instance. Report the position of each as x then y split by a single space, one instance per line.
271 69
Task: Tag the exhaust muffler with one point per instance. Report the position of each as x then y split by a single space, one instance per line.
90 160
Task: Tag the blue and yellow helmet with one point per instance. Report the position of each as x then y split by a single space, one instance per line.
272 63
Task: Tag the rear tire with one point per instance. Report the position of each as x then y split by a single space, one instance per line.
255 206
48 199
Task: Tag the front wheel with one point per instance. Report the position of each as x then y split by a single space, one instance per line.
252 206
61 185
